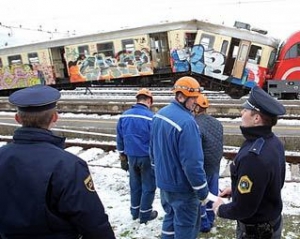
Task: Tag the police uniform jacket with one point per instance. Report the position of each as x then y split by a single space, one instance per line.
175 148
257 174
133 131
47 192
211 133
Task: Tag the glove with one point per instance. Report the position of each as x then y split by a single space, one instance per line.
124 162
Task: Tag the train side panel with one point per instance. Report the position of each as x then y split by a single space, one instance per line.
26 69
227 58
106 60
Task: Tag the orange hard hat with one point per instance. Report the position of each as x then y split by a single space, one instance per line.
202 101
189 86
145 92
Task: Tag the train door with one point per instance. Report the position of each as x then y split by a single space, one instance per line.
59 62
241 59
160 50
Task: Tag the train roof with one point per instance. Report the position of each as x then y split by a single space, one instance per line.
148 29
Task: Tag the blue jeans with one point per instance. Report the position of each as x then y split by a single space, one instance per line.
206 211
142 187
181 220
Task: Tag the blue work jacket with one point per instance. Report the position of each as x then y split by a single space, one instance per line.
175 148
133 131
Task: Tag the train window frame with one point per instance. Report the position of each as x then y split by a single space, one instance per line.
272 59
224 47
209 45
128 45
189 39
33 55
17 58
83 50
293 52
106 48
255 54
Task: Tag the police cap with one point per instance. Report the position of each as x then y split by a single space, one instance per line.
35 98
260 100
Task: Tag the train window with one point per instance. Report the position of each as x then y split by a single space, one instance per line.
293 52
106 48
255 54
13 60
207 41
190 39
1 64
83 50
224 47
272 59
33 58
128 45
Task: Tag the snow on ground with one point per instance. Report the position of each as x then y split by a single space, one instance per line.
112 184
113 188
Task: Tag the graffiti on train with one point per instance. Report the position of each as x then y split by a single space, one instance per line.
100 67
19 76
208 62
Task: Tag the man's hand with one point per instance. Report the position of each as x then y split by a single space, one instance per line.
216 205
124 162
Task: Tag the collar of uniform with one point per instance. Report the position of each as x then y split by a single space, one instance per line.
252 133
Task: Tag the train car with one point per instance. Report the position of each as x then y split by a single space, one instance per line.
238 57
283 82
220 57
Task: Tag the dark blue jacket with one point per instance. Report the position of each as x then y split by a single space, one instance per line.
257 174
47 192
211 133
133 131
175 148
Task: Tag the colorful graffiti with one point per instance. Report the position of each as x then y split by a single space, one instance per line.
18 76
100 67
211 63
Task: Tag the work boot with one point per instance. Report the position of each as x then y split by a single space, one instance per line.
153 215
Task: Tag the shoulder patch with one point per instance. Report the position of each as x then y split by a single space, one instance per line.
89 184
245 185
257 146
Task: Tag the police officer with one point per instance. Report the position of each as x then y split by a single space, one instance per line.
257 172
133 136
46 192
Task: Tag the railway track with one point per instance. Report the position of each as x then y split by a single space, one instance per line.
229 152
114 101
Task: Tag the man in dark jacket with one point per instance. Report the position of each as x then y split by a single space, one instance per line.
211 133
46 192
257 172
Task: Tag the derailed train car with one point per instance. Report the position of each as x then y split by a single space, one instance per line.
220 57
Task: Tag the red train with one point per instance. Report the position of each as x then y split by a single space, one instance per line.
232 59
283 80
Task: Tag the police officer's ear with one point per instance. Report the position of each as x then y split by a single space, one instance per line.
55 117
257 119
18 118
